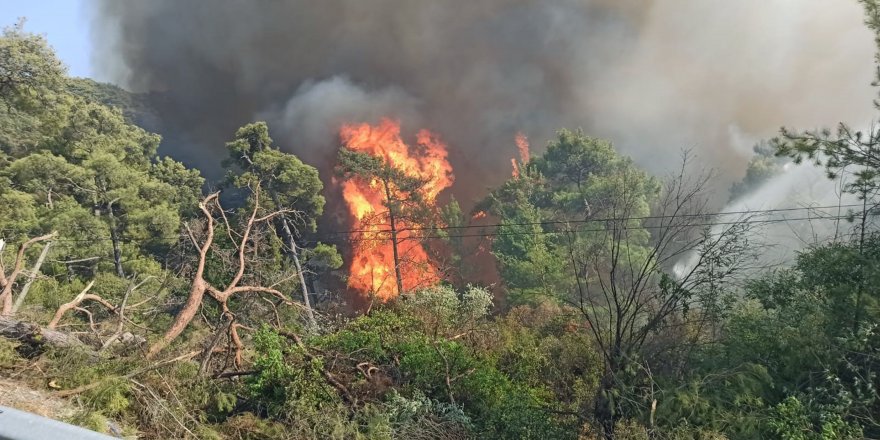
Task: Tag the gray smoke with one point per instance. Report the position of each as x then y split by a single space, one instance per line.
655 76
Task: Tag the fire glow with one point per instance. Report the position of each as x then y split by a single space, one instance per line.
372 269
522 144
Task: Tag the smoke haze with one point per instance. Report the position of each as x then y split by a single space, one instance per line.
654 76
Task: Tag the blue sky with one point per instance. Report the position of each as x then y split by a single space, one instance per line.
65 23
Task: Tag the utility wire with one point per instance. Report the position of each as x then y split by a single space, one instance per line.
496 226
598 220
649 227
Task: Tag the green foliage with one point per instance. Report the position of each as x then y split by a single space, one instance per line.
731 401
9 357
92 420
426 370
30 72
70 164
798 358
287 183
287 382
412 417
763 166
282 184
844 151
322 257
133 106
550 209
444 311
791 421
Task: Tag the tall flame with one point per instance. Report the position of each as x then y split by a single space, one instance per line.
372 268
522 144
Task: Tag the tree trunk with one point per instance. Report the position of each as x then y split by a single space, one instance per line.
393 222
114 237
6 295
33 276
186 315
603 407
861 287
36 337
294 255
398 276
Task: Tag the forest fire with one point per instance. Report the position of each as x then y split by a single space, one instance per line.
522 144
372 269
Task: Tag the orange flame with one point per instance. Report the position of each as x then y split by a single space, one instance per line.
372 266
522 144
479 215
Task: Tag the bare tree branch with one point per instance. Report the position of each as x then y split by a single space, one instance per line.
8 281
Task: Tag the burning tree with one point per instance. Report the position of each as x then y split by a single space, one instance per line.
391 192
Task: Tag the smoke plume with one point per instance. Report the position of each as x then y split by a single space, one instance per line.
655 76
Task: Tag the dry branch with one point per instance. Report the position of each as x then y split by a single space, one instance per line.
215 340
200 286
236 341
31 277
83 296
121 322
8 281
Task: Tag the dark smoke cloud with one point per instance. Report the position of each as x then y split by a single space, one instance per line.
653 75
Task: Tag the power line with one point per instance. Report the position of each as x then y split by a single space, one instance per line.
496 226
648 227
596 220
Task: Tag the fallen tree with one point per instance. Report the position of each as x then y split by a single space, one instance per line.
200 286
37 337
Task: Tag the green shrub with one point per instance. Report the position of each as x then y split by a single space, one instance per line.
9 357
791 420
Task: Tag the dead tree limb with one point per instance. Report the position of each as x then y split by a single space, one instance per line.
236 342
294 253
31 277
200 286
230 374
8 281
36 336
226 321
83 296
121 322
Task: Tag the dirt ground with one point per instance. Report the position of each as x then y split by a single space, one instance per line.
20 396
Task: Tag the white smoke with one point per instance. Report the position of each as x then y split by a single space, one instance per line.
798 208
701 67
